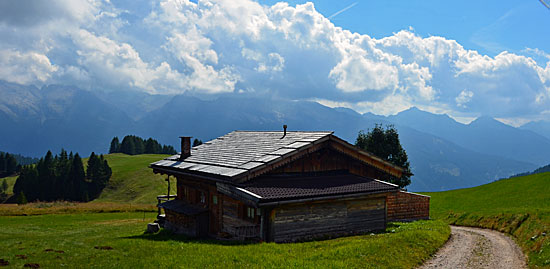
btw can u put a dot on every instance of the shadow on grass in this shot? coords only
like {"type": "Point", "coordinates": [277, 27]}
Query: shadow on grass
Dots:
{"type": "Point", "coordinates": [165, 235]}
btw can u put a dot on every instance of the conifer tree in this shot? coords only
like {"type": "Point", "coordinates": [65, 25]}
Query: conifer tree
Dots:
{"type": "Point", "coordinates": [115, 145]}
{"type": "Point", "coordinates": [2, 162]}
{"type": "Point", "coordinates": [77, 178]}
{"type": "Point", "coordinates": [27, 182]}
{"type": "Point", "coordinates": [197, 142]}
{"type": "Point", "coordinates": [11, 163]}
{"type": "Point", "coordinates": [128, 145]}
{"type": "Point", "coordinates": [21, 198]}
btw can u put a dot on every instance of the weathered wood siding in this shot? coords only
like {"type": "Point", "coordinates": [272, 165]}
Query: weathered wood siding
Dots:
{"type": "Point", "coordinates": [296, 222]}
{"type": "Point", "coordinates": [233, 222]}
{"type": "Point", "coordinates": [194, 226]}
{"type": "Point", "coordinates": [408, 206]}
{"type": "Point", "coordinates": [328, 159]}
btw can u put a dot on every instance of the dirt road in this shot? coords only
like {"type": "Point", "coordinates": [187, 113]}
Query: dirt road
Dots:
{"type": "Point", "coordinates": [477, 248]}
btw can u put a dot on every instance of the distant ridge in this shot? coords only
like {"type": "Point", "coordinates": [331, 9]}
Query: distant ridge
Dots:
{"type": "Point", "coordinates": [539, 170]}
{"type": "Point", "coordinates": [444, 154]}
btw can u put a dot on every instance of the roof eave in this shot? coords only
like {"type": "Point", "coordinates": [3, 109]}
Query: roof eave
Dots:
{"type": "Point", "coordinates": [277, 202]}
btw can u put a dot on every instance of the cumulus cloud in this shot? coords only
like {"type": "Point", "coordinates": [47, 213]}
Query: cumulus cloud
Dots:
{"type": "Point", "coordinates": [25, 68]}
{"type": "Point", "coordinates": [463, 98]}
{"type": "Point", "coordinates": [221, 46]}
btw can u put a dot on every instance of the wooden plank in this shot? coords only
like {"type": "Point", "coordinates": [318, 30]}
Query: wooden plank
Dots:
{"type": "Point", "coordinates": [339, 217]}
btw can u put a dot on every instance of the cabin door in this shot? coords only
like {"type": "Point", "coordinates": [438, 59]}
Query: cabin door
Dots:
{"type": "Point", "coordinates": [215, 208]}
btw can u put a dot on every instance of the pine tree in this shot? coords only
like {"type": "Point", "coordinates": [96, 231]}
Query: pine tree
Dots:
{"type": "Point", "coordinates": [93, 174]}
{"type": "Point", "coordinates": [46, 177]}
{"type": "Point", "coordinates": [2, 162]}
{"type": "Point", "coordinates": [27, 182]}
{"type": "Point", "coordinates": [63, 166]}
{"type": "Point", "coordinates": [152, 146]}
{"type": "Point", "coordinates": [140, 145]}
{"type": "Point", "coordinates": [385, 144]}
{"type": "Point", "coordinates": [11, 164]}
{"type": "Point", "coordinates": [128, 145]}
{"type": "Point", "coordinates": [21, 198]}
{"type": "Point", "coordinates": [77, 178]}
{"type": "Point", "coordinates": [197, 142]}
{"type": "Point", "coordinates": [115, 145]}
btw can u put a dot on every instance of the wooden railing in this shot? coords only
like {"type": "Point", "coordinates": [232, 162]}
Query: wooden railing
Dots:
{"type": "Point", "coordinates": [163, 198]}
{"type": "Point", "coordinates": [246, 231]}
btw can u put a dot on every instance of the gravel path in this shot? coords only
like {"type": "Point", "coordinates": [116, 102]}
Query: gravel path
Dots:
{"type": "Point", "coordinates": [477, 248]}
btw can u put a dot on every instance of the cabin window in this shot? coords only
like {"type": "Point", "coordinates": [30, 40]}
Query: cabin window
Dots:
{"type": "Point", "coordinates": [250, 212]}
{"type": "Point", "coordinates": [215, 199]}
{"type": "Point", "coordinates": [186, 193]}
{"type": "Point", "coordinates": [203, 198]}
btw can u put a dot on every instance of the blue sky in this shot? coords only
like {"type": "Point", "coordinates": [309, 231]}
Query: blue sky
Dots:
{"type": "Point", "coordinates": [464, 58]}
{"type": "Point", "coordinates": [486, 26]}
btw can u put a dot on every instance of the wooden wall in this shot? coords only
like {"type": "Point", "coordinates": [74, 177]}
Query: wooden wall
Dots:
{"type": "Point", "coordinates": [408, 206]}
{"type": "Point", "coordinates": [234, 222]}
{"type": "Point", "coordinates": [194, 226]}
{"type": "Point", "coordinates": [328, 159]}
{"type": "Point", "coordinates": [331, 218]}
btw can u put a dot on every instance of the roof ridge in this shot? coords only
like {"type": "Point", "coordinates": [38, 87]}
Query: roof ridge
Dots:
{"type": "Point", "coordinates": [251, 131]}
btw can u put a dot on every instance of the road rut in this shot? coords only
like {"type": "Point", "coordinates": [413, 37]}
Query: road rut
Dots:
{"type": "Point", "coordinates": [477, 248]}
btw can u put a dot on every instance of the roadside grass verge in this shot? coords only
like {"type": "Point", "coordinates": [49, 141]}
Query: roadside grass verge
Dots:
{"type": "Point", "coordinates": [518, 206]}
{"type": "Point", "coordinates": [63, 207]}
{"type": "Point", "coordinates": [116, 240]}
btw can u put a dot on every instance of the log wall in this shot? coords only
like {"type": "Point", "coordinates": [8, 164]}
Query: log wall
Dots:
{"type": "Point", "coordinates": [233, 222]}
{"type": "Point", "coordinates": [194, 226]}
{"type": "Point", "coordinates": [332, 218]}
{"type": "Point", "coordinates": [328, 159]}
{"type": "Point", "coordinates": [407, 206]}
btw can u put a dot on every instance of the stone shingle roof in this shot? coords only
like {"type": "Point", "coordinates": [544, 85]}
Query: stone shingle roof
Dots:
{"type": "Point", "coordinates": [307, 185]}
{"type": "Point", "coordinates": [239, 152]}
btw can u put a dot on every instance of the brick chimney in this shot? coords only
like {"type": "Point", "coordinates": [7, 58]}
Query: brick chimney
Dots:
{"type": "Point", "coordinates": [185, 147]}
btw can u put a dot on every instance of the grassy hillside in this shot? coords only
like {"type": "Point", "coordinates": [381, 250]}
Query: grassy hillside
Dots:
{"type": "Point", "coordinates": [11, 182]}
{"type": "Point", "coordinates": [133, 181]}
{"type": "Point", "coordinates": [116, 240]}
{"type": "Point", "coordinates": [517, 206]}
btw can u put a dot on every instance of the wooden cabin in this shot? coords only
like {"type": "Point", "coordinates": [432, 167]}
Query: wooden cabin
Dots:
{"type": "Point", "coordinates": [276, 186]}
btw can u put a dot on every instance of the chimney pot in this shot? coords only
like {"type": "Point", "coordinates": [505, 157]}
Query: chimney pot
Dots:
{"type": "Point", "coordinates": [284, 129]}
{"type": "Point", "coordinates": [185, 147]}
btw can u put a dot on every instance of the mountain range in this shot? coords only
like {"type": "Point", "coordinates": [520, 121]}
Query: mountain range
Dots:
{"type": "Point", "coordinates": [444, 154]}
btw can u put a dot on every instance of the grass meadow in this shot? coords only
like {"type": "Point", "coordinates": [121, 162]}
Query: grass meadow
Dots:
{"type": "Point", "coordinates": [117, 240]}
{"type": "Point", "coordinates": [517, 206]}
{"type": "Point", "coordinates": [109, 233]}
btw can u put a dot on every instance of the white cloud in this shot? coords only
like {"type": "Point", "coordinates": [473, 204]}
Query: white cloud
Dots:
{"type": "Point", "coordinates": [221, 46]}
{"type": "Point", "coordinates": [25, 68]}
{"type": "Point", "coordinates": [463, 98]}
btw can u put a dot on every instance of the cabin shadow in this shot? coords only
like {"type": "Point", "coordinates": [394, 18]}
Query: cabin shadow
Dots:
{"type": "Point", "coordinates": [165, 235]}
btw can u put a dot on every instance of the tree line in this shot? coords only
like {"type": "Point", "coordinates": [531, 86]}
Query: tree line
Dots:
{"type": "Point", "coordinates": [62, 177]}
{"type": "Point", "coordinates": [8, 164]}
{"type": "Point", "coordinates": [11, 163]}
{"type": "Point", "coordinates": [133, 145]}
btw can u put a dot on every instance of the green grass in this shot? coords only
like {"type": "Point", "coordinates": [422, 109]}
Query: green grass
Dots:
{"type": "Point", "coordinates": [77, 235]}
{"type": "Point", "coordinates": [11, 182]}
{"type": "Point", "coordinates": [133, 181]}
{"type": "Point", "coordinates": [518, 206]}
